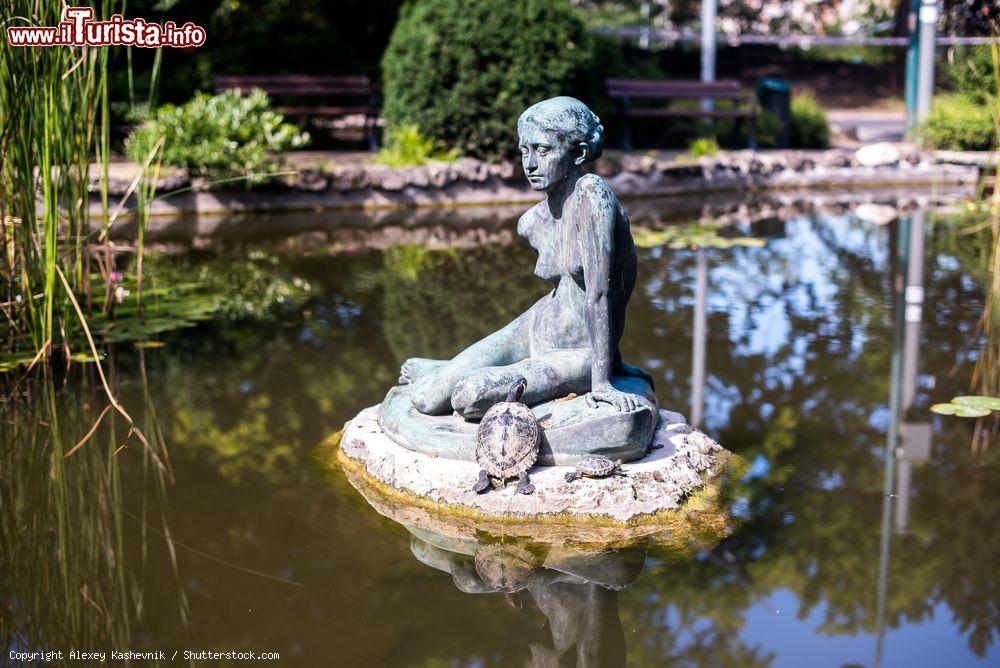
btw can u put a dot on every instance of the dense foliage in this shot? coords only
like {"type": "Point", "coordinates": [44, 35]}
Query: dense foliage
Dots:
{"type": "Point", "coordinates": [959, 123]}
{"type": "Point", "coordinates": [406, 146]}
{"type": "Point", "coordinates": [463, 71]}
{"type": "Point", "coordinates": [809, 126]}
{"type": "Point", "coordinates": [217, 135]}
{"type": "Point", "coordinates": [264, 37]}
{"type": "Point", "coordinates": [973, 73]}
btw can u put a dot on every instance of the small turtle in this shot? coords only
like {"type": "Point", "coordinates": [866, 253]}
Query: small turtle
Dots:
{"type": "Point", "coordinates": [595, 466]}
{"type": "Point", "coordinates": [507, 441]}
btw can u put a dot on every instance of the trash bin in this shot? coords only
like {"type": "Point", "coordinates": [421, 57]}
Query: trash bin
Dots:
{"type": "Point", "coordinates": [775, 96]}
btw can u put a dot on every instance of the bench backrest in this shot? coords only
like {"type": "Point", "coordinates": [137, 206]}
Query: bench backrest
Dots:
{"type": "Point", "coordinates": [297, 84]}
{"type": "Point", "coordinates": [678, 89]}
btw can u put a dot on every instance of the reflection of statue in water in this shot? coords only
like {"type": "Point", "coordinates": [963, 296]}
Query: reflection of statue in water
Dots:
{"type": "Point", "coordinates": [577, 592]}
{"type": "Point", "coordinates": [568, 341]}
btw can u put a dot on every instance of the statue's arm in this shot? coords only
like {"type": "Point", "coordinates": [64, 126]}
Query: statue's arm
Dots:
{"type": "Point", "coordinates": [597, 242]}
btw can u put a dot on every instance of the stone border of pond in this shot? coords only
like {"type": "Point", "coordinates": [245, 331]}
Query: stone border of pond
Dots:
{"type": "Point", "coordinates": [358, 185]}
{"type": "Point", "coordinates": [656, 491]}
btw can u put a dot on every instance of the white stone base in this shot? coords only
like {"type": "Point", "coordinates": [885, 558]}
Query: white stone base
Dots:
{"type": "Point", "coordinates": [682, 461]}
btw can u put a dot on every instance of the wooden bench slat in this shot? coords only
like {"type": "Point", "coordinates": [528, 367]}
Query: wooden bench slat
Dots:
{"type": "Point", "coordinates": [228, 79]}
{"type": "Point", "coordinates": [327, 111]}
{"type": "Point", "coordinates": [651, 89]}
{"type": "Point", "coordinates": [679, 113]}
{"type": "Point", "coordinates": [305, 85]}
{"type": "Point", "coordinates": [676, 95]}
{"type": "Point", "coordinates": [276, 89]}
{"type": "Point", "coordinates": [651, 84]}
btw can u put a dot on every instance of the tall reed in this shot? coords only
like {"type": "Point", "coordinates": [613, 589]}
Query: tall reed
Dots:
{"type": "Point", "coordinates": [54, 122]}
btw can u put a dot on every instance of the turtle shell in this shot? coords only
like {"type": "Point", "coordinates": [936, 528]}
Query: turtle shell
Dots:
{"type": "Point", "coordinates": [508, 439]}
{"type": "Point", "coordinates": [596, 466]}
{"type": "Point", "coordinates": [505, 568]}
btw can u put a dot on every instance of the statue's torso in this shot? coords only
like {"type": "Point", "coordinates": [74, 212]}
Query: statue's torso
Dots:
{"type": "Point", "coordinates": [558, 319]}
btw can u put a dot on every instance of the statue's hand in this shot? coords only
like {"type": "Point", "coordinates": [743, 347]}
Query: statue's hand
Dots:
{"type": "Point", "coordinates": [606, 393]}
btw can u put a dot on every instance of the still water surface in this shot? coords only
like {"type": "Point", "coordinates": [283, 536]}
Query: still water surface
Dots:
{"type": "Point", "coordinates": [788, 352]}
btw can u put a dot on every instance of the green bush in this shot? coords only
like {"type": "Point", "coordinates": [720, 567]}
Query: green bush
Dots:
{"type": "Point", "coordinates": [405, 146]}
{"type": "Point", "coordinates": [703, 146]}
{"type": "Point", "coordinates": [959, 123]}
{"type": "Point", "coordinates": [809, 127]}
{"type": "Point", "coordinates": [217, 135]}
{"type": "Point", "coordinates": [463, 71]}
{"type": "Point", "coordinates": [973, 72]}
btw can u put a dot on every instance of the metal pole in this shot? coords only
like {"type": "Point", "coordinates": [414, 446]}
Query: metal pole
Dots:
{"type": "Point", "coordinates": [708, 12]}
{"type": "Point", "coordinates": [891, 442]}
{"type": "Point", "coordinates": [644, 31]}
{"type": "Point", "coordinates": [925, 68]}
{"type": "Point", "coordinates": [700, 329]}
{"type": "Point", "coordinates": [913, 297]}
{"type": "Point", "coordinates": [910, 84]}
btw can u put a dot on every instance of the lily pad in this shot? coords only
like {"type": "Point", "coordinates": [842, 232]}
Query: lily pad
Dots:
{"type": "Point", "coordinates": [85, 358]}
{"type": "Point", "coordinates": [989, 403]}
{"type": "Point", "coordinates": [959, 410]}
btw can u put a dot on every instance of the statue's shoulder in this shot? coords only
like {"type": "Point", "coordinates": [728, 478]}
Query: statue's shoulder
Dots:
{"type": "Point", "coordinates": [595, 188]}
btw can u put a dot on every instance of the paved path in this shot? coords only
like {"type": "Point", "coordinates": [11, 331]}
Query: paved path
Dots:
{"type": "Point", "coordinates": [853, 128]}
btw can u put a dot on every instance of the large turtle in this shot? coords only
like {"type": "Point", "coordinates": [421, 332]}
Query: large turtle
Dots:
{"type": "Point", "coordinates": [595, 466]}
{"type": "Point", "coordinates": [507, 442]}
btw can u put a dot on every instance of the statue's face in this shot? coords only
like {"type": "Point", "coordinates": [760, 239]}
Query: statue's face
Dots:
{"type": "Point", "coordinates": [547, 158]}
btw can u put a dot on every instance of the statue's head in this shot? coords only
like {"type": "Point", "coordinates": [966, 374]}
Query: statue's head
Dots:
{"type": "Point", "coordinates": [556, 137]}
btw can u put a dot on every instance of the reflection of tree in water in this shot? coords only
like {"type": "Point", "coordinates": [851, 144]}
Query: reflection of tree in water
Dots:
{"type": "Point", "coordinates": [803, 327]}
{"type": "Point", "coordinates": [438, 302]}
{"type": "Point", "coordinates": [799, 365]}
{"type": "Point", "coordinates": [270, 383]}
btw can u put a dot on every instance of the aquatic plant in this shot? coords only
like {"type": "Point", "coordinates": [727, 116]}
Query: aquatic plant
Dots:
{"type": "Point", "coordinates": [692, 236]}
{"type": "Point", "coordinates": [53, 123]}
{"type": "Point", "coordinates": [968, 406]}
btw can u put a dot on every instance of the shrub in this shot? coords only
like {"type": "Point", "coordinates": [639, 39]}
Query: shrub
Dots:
{"type": "Point", "coordinates": [217, 135]}
{"type": "Point", "coordinates": [463, 71]}
{"type": "Point", "coordinates": [959, 123]}
{"type": "Point", "coordinates": [809, 127]}
{"type": "Point", "coordinates": [405, 146]}
{"type": "Point", "coordinates": [973, 72]}
{"type": "Point", "coordinates": [703, 146]}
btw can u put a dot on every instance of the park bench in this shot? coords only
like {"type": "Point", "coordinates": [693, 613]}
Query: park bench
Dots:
{"type": "Point", "coordinates": [345, 96]}
{"type": "Point", "coordinates": [624, 91]}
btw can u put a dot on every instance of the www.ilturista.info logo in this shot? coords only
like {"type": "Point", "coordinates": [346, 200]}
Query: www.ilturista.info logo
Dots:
{"type": "Point", "coordinates": [79, 29]}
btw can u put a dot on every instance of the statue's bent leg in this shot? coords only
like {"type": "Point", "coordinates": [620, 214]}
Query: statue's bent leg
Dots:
{"type": "Point", "coordinates": [431, 394]}
{"type": "Point", "coordinates": [549, 376]}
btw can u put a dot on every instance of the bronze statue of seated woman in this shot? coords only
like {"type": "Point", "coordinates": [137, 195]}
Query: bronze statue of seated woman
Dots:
{"type": "Point", "coordinates": [567, 342]}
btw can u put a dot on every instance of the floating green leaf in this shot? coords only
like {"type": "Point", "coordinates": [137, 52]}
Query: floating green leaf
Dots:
{"type": "Point", "coordinates": [989, 403]}
{"type": "Point", "coordinates": [84, 358]}
{"type": "Point", "coordinates": [959, 410]}
{"type": "Point", "coordinates": [692, 236]}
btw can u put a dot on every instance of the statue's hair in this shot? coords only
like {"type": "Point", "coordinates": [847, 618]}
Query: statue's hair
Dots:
{"type": "Point", "coordinates": [571, 119]}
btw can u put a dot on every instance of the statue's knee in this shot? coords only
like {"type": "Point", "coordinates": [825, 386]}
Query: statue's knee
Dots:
{"type": "Point", "coordinates": [467, 398]}
{"type": "Point", "coordinates": [427, 400]}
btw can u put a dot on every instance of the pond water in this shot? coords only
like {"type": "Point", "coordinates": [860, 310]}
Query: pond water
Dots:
{"type": "Point", "coordinates": [793, 348]}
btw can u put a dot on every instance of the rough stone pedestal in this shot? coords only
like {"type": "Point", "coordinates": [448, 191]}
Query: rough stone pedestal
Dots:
{"type": "Point", "coordinates": [682, 461]}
